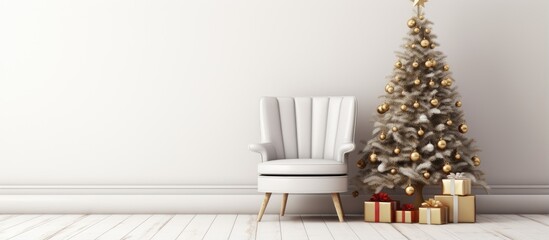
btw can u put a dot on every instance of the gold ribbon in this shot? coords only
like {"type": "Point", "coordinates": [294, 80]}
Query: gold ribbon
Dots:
{"type": "Point", "coordinates": [432, 203]}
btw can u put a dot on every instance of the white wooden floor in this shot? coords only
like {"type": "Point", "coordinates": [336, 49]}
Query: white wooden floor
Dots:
{"type": "Point", "coordinates": [240, 227]}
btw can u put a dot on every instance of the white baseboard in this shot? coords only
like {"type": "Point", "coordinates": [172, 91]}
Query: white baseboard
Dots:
{"type": "Point", "coordinates": [226, 199]}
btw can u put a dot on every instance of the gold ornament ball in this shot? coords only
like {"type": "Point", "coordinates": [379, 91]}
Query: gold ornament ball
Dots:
{"type": "Point", "coordinates": [382, 136]}
{"type": "Point", "coordinates": [397, 151]}
{"type": "Point", "coordinates": [394, 129]}
{"type": "Point", "coordinates": [410, 190]}
{"type": "Point", "coordinates": [433, 46]}
{"type": "Point", "coordinates": [361, 164]}
{"type": "Point", "coordinates": [389, 89]}
{"type": "Point", "coordinates": [449, 82]}
{"type": "Point", "coordinates": [427, 30]}
{"type": "Point", "coordinates": [428, 63]}
{"type": "Point", "coordinates": [417, 82]}
{"type": "Point", "coordinates": [373, 157]}
{"type": "Point", "coordinates": [413, 46]}
{"type": "Point", "coordinates": [458, 104]}
{"type": "Point", "coordinates": [431, 83]}
{"type": "Point", "coordinates": [441, 144]}
{"type": "Point", "coordinates": [426, 175]}
{"type": "Point", "coordinates": [434, 62]}
{"type": "Point", "coordinates": [421, 17]}
{"type": "Point", "coordinates": [443, 82]}
{"type": "Point", "coordinates": [463, 128]}
{"type": "Point", "coordinates": [416, 30]}
{"type": "Point", "coordinates": [425, 43]}
{"type": "Point", "coordinates": [415, 156]}
{"type": "Point", "coordinates": [398, 64]}
{"type": "Point", "coordinates": [411, 23]}
{"type": "Point", "coordinates": [457, 156]}
{"type": "Point", "coordinates": [447, 168]}
{"type": "Point", "coordinates": [416, 104]}
{"type": "Point", "coordinates": [434, 102]}
{"type": "Point", "coordinates": [394, 171]}
{"type": "Point", "coordinates": [355, 194]}
{"type": "Point", "coordinates": [476, 161]}
{"type": "Point", "coordinates": [415, 64]}
{"type": "Point", "coordinates": [397, 78]}
{"type": "Point", "coordinates": [385, 106]}
{"type": "Point", "coordinates": [403, 107]}
{"type": "Point", "coordinates": [449, 122]}
{"type": "Point", "coordinates": [420, 132]}
{"type": "Point", "coordinates": [380, 110]}
{"type": "Point", "coordinates": [446, 67]}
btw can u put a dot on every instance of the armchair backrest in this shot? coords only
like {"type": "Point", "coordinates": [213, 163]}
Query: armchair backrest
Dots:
{"type": "Point", "coordinates": [307, 127]}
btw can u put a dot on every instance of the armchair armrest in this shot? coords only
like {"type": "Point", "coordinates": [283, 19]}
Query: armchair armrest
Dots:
{"type": "Point", "coordinates": [266, 150]}
{"type": "Point", "coordinates": [342, 149]}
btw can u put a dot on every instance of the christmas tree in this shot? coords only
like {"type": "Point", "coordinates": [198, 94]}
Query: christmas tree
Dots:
{"type": "Point", "coordinates": [419, 131]}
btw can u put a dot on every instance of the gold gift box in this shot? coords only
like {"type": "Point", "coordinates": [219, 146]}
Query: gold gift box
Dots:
{"type": "Point", "coordinates": [438, 215]}
{"type": "Point", "coordinates": [462, 187]}
{"type": "Point", "coordinates": [407, 216]}
{"type": "Point", "coordinates": [385, 213]}
{"type": "Point", "coordinates": [466, 207]}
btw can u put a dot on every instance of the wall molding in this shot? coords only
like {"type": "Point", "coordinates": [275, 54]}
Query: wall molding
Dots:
{"type": "Point", "coordinates": [528, 189]}
{"type": "Point", "coordinates": [227, 199]}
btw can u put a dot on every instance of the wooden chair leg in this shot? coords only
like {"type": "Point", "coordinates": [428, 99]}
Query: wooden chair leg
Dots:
{"type": "Point", "coordinates": [283, 206]}
{"type": "Point", "coordinates": [339, 209]}
{"type": "Point", "coordinates": [263, 206]}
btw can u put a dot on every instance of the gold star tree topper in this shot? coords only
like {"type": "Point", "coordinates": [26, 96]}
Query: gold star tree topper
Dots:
{"type": "Point", "coordinates": [420, 3]}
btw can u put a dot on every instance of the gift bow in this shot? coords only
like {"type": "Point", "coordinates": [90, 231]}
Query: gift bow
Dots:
{"type": "Point", "coordinates": [432, 203]}
{"type": "Point", "coordinates": [408, 207]}
{"type": "Point", "coordinates": [458, 175]}
{"type": "Point", "coordinates": [380, 197]}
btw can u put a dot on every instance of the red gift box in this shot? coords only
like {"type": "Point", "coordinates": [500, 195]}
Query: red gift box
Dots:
{"type": "Point", "coordinates": [407, 214]}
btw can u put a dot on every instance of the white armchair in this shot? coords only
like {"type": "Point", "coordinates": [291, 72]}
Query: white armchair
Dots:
{"type": "Point", "coordinates": [303, 145]}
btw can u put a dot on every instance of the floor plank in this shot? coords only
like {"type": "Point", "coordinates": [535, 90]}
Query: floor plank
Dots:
{"type": "Point", "coordinates": [174, 227]}
{"type": "Point", "coordinates": [411, 231]}
{"type": "Point", "coordinates": [438, 232]}
{"type": "Point", "coordinates": [472, 231]}
{"type": "Point", "coordinates": [197, 228]}
{"type": "Point", "coordinates": [516, 227]}
{"type": "Point", "coordinates": [100, 228]}
{"type": "Point", "coordinates": [149, 228]}
{"type": "Point", "coordinates": [26, 226]}
{"type": "Point", "coordinates": [8, 223]}
{"type": "Point", "coordinates": [364, 230]}
{"type": "Point", "coordinates": [316, 228]}
{"type": "Point", "coordinates": [78, 227]}
{"type": "Point", "coordinates": [50, 228]}
{"type": "Point", "coordinates": [269, 228]}
{"type": "Point", "coordinates": [291, 227]}
{"type": "Point", "coordinates": [221, 227]}
{"type": "Point", "coordinates": [339, 230]}
{"type": "Point", "coordinates": [125, 227]}
{"type": "Point", "coordinates": [5, 216]}
{"type": "Point", "coordinates": [244, 227]}
{"type": "Point", "coordinates": [540, 218]}
{"type": "Point", "coordinates": [388, 231]}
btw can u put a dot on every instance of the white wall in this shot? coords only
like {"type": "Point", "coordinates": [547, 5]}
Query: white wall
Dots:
{"type": "Point", "coordinates": [132, 93]}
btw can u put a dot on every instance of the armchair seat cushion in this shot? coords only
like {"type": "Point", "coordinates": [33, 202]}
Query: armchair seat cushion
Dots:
{"type": "Point", "coordinates": [302, 167]}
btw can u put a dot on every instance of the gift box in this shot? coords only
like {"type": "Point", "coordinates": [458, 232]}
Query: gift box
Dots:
{"type": "Point", "coordinates": [456, 184]}
{"type": "Point", "coordinates": [433, 212]}
{"type": "Point", "coordinates": [460, 208]}
{"type": "Point", "coordinates": [407, 214]}
{"type": "Point", "coordinates": [380, 208]}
